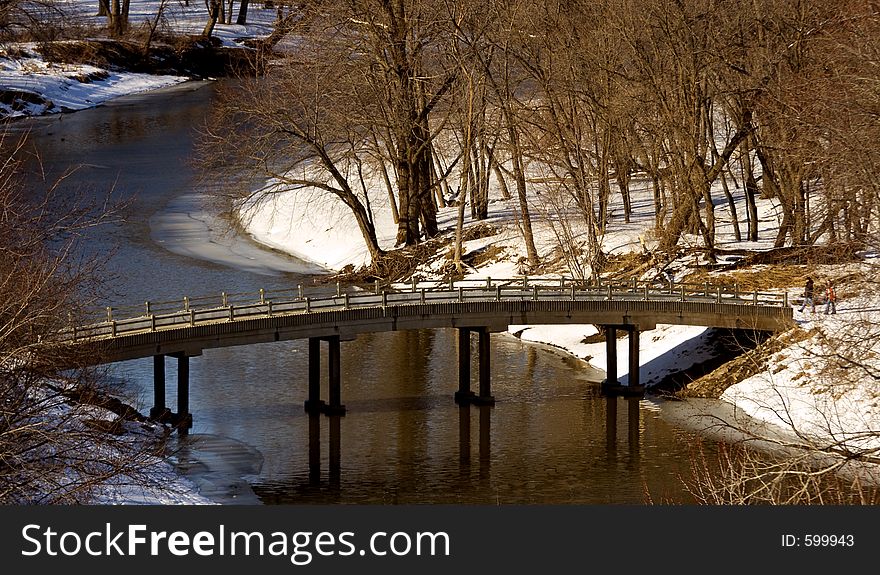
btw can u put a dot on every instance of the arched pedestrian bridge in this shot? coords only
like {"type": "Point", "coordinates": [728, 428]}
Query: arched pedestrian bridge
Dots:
{"type": "Point", "coordinates": [184, 328]}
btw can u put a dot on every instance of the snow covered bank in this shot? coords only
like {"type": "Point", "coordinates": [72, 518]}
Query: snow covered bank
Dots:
{"type": "Point", "coordinates": [824, 388]}
{"type": "Point", "coordinates": [81, 445]}
{"type": "Point", "coordinates": [789, 395]}
{"type": "Point", "coordinates": [32, 87]}
{"type": "Point", "coordinates": [310, 225]}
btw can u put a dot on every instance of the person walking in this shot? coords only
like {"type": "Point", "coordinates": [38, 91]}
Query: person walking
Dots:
{"type": "Point", "coordinates": [808, 295]}
{"type": "Point", "coordinates": [830, 299]}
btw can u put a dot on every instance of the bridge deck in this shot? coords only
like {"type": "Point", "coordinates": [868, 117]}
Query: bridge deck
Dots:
{"type": "Point", "coordinates": [189, 326]}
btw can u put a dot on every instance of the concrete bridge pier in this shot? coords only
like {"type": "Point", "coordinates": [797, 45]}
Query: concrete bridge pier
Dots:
{"type": "Point", "coordinates": [611, 385]}
{"type": "Point", "coordinates": [464, 395]}
{"type": "Point", "coordinates": [314, 404]}
{"type": "Point", "coordinates": [485, 396]}
{"type": "Point", "coordinates": [159, 411]}
{"type": "Point", "coordinates": [182, 419]}
{"type": "Point", "coordinates": [334, 370]}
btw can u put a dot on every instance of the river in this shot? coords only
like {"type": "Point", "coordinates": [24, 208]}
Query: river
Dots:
{"type": "Point", "coordinates": [550, 439]}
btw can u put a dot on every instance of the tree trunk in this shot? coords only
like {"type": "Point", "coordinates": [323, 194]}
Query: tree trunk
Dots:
{"type": "Point", "coordinates": [442, 178]}
{"type": "Point", "coordinates": [427, 203]}
{"type": "Point", "coordinates": [437, 184]}
{"type": "Point", "coordinates": [623, 179]}
{"type": "Point", "coordinates": [388, 186]}
{"type": "Point", "coordinates": [730, 200]}
{"type": "Point", "coordinates": [409, 110]}
{"type": "Point", "coordinates": [519, 178]}
{"type": "Point", "coordinates": [734, 217]}
{"type": "Point", "coordinates": [242, 12]}
{"type": "Point", "coordinates": [708, 227]}
{"type": "Point", "coordinates": [658, 202]}
{"type": "Point", "coordinates": [751, 190]}
{"type": "Point", "coordinates": [502, 184]}
{"type": "Point", "coordinates": [464, 188]}
{"type": "Point", "coordinates": [213, 16]}
{"type": "Point", "coordinates": [604, 185]}
{"type": "Point", "coordinates": [347, 195]}
{"type": "Point", "coordinates": [623, 164]}
{"type": "Point", "coordinates": [801, 224]}
{"type": "Point", "coordinates": [482, 191]}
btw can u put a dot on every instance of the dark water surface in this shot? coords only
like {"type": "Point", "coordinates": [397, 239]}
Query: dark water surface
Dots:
{"type": "Point", "coordinates": [549, 439]}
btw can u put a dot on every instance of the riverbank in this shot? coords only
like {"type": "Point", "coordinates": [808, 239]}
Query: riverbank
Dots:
{"type": "Point", "coordinates": [70, 74]}
{"type": "Point", "coordinates": [798, 387]}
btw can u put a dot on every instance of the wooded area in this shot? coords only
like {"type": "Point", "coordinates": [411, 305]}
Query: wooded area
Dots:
{"type": "Point", "coordinates": [558, 105]}
{"type": "Point", "coordinates": [572, 99]}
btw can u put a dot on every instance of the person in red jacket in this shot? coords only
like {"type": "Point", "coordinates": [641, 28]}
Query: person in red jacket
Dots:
{"type": "Point", "coordinates": [830, 299]}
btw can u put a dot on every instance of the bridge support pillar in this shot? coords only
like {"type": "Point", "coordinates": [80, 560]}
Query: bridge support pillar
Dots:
{"type": "Point", "coordinates": [611, 385]}
{"type": "Point", "coordinates": [334, 370]}
{"type": "Point", "coordinates": [314, 404]}
{"type": "Point", "coordinates": [159, 412]}
{"type": "Point", "coordinates": [464, 395]}
{"type": "Point", "coordinates": [182, 420]}
{"type": "Point", "coordinates": [611, 381]}
{"type": "Point", "coordinates": [635, 386]}
{"type": "Point", "coordinates": [485, 396]}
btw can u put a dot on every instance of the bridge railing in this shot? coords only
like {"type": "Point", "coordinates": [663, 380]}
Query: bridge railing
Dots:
{"type": "Point", "coordinates": [192, 311]}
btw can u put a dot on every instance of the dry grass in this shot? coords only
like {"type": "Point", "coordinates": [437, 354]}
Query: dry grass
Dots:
{"type": "Point", "coordinates": [713, 384]}
{"type": "Point", "coordinates": [761, 278]}
{"type": "Point", "coordinates": [781, 276]}
{"type": "Point", "coordinates": [626, 265]}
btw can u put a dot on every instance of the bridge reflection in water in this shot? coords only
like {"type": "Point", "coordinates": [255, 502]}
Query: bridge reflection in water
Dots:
{"type": "Point", "coordinates": [617, 411]}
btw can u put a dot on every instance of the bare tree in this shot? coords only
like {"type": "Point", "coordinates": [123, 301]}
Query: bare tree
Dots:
{"type": "Point", "coordinates": [62, 439]}
{"type": "Point", "coordinates": [298, 127]}
{"type": "Point", "coordinates": [362, 81]}
{"type": "Point", "coordinates": [37, 20]}
{"type": "Point", "coordinates": [498, 37]}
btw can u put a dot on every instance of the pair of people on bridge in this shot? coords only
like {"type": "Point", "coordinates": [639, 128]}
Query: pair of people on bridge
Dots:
{"type": "Point", "coordinates": [809, 297]}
